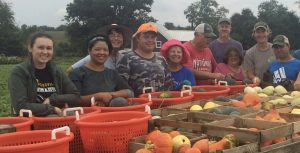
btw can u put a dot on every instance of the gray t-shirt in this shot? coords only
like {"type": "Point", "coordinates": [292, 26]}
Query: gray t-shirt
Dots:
{"type": "Point", "coordinates": [258, 60]}
{"type": "Point", "coordinates": [218, 49]}
{"type": "Point", "coordinates": [89, 82]}
{"type": "Point", "coordinates": [109, 63]}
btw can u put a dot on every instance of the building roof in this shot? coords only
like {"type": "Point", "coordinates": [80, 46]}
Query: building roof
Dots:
{"type": "Point", "coordinates": [181, 35]}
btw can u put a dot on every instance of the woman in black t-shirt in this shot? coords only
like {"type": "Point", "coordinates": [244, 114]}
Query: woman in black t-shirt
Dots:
{"type": "Point", "coordinates": [38, 85]}
{"type": "Point", "coordinates": [94, 80]}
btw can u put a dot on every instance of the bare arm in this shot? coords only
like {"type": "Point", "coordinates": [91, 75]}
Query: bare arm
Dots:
{"type": "Point", "coordinates": [106, 96]}
{"type": "Point", "coordinates": [297, 83]}
{"type": "Point", "coordinates": [250, 74]}
{"type": "Point", "coordinates": [207, 75]}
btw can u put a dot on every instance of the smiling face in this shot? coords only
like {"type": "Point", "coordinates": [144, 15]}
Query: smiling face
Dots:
{"type": "Point", "coordinates": [224, 29]}
{"type": "Point", "coordinates": [41, 51]}
{"type": "Point", "coordinates": [147, 41]}
{"type": "Point", "coordinates": [175, 54]}
{"type": "Point", "coordinates": [116, 39]}
{"type": "Point", "coordinates": [233, 58]}
{"type": "Point", "coordinates": [99, 52]}
{"type": "Point", "coordinates": [261, 35]}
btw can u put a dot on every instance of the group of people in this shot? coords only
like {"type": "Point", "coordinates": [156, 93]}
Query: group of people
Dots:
{"type": "Point", "coordinates": [108, 73]}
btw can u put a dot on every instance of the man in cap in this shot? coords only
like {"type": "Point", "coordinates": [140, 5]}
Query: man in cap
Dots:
{"type": "Point", "coordinates": [224, 41]}
{"type": "Point", "coordinates": [119, 36]}
{"type": "Point", "coordinates": [259, 56]}
{"type": "Point", "coordinates": [285, 67]}
{"type": "Point", "coordinates": [201, 61]}
{"type": "Point", "coordinates": [142, 67]}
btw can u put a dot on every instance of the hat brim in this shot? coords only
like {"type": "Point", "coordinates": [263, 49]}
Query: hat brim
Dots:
{"type": "Point", "coordinates": [133, 36]}
{"type": "Point", "coordinates": [261, 27]}
{"type": "Point", "coordinates": [278, 44]}
{"type": "Point", "coordinates": [126, 31]}
{"type": "Point", "coordinates": [210, 35]}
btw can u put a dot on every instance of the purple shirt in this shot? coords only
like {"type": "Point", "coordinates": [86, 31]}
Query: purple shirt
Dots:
{"type": "Point", "coordinates": [218, 49]}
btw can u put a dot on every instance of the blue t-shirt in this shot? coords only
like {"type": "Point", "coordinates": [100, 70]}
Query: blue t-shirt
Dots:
{"type": "Point", "coordinates": [285, 70]}
{"type": "Point", "coordinates": [182, 77]}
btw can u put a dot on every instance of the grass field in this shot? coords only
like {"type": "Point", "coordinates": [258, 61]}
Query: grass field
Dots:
{"type": "Point", "coordinates": [64, 63]}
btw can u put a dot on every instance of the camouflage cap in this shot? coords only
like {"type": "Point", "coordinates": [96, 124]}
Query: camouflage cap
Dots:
{"type": "Point", "coordinates": [261, 24]}
{"type": "Point", "coordinates": [280, 40]}
{"type": "Point", "coordinates": [205, 29]}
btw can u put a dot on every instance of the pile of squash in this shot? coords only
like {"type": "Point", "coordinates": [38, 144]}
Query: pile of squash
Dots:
{"type": "Point", "coordinates": [173, 142]}
{"type": "Point", "coordinates": [249, 100]}
{"type": "Point", "coordinates": [272, 116]}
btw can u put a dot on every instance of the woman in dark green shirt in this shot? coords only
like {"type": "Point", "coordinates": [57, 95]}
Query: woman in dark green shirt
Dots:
{"type": "Point", "coordinates": [38, 85]}
{"type": "Point", "coordinates": [94, 80]}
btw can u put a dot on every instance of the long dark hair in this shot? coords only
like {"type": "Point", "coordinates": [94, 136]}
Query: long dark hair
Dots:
{"type": "Point", "coordinates": [233, 49]}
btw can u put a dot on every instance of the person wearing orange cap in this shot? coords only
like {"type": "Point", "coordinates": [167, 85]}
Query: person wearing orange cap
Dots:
{"type": "Point", "coordinates": [142, 67]}
{"type": "Point", "coordinates": [202, 61]}
{"type": "Point", "coordinates": [119, 36]}
{"type": "Point", "coordinates": [177, 55]}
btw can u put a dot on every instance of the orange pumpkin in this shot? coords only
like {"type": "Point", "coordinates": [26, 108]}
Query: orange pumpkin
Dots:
{"type": "Point", "coordinates": [192, 150]}
{"type": "Point", "coordinates": [163, 143]}
{"type": "Point", "coordinates": [257, 106]}
{"type": "Point", "coordinates": [152, 135]}
{"type": "Point", "coordinates": [143, 151]}
{"type": "Point", "coordinates": [238, 104]}
{"type": "Point", "coordinates": [202, 145]}
{"type": "Point", "coordinates": [174, 133]}
{"type": "Point", "coordinates": [272, 115]}
{"type": "Point", "coordinates": [251, 99]}
{"type": "Point", "coordinates": [278, 140]}
{"type": "Point", "coordinates": [267, 143]}
{"type": "Point", "coordinates": [183, 148]}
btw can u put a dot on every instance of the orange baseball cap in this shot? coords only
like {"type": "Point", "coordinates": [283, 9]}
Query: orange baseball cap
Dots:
{"type": "Point", "coordinates": [146, 27]}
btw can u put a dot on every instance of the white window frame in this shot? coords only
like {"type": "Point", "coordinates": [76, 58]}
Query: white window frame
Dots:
{"type": "Point", "coordinates": [158, 44]}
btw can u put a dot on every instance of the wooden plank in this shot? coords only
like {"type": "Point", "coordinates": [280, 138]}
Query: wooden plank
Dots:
{"type": "Point", "coordinates": [284, 147]}
{"type": "Point", "coordinates": [242, 135]}
{"type": "Point", "coordinates": [179, 124]}
{"type": "Point", "coordinates": [247, 148]}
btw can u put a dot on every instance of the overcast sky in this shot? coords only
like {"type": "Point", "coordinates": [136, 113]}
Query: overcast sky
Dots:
{"type": "Point", "coordinates": [51, 12]}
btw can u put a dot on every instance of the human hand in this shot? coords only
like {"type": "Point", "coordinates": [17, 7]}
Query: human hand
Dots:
{"type": "Point", "coordinates": [46, 101]}
{"type": "Point", "coordinates": [218, 76]}
{"type": "Point", "coordinates": [106, 97]}
{"type": "Point", "coordinates": [57, 110]}
{"type": "Point", "coordinates": [256, 80]}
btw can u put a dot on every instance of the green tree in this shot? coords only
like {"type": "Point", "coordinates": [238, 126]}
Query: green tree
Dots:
{"type": "Point", "coordinates": [85, 17]}
{"type": "Point", "coordinates": [204, 11]}
{"type": "Point", "coordinates": [9, 40]}
{"type": "Point", "coordinates": [281, 20]}
{"type": "Point", "coordinates": [242, 26]}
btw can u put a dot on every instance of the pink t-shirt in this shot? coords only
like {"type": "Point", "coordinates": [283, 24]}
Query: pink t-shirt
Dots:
{"type": "Point", "coordinates": [224, 69]}
{"type": "Point", "coordinates": [201, 60]}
